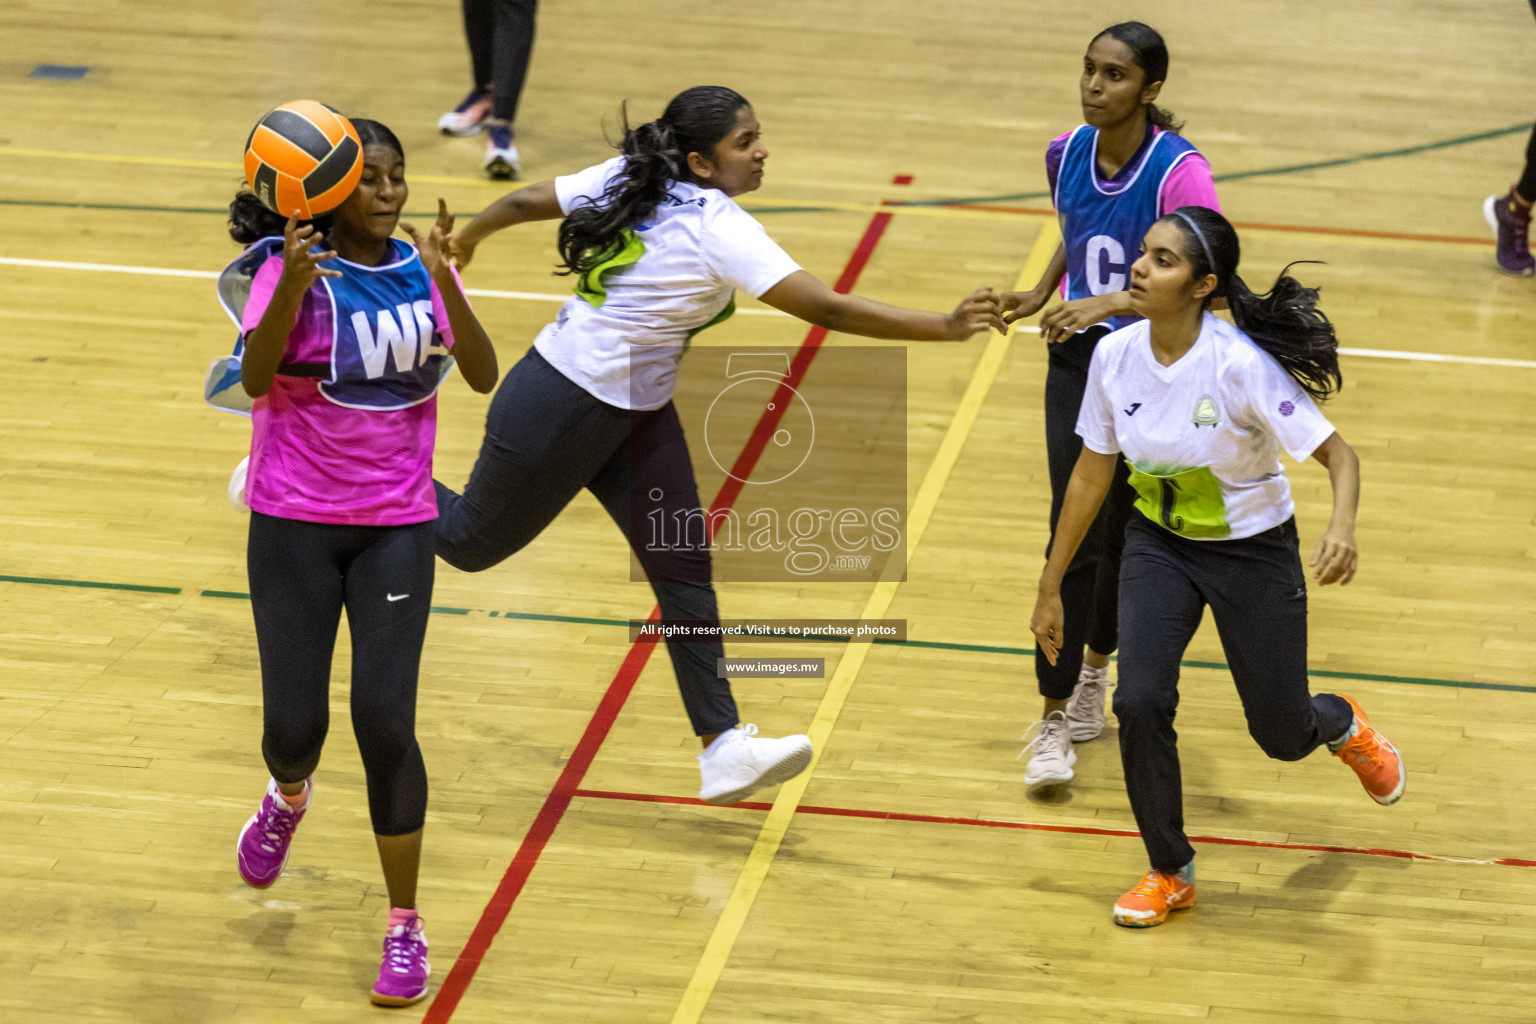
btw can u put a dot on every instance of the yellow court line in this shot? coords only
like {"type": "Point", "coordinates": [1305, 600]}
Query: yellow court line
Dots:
{"type": "Point", "coordinates": [728, 929]}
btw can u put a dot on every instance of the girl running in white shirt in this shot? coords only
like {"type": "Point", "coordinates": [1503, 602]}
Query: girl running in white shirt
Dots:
{"type": "Point", "coordinates": [1199, 410]}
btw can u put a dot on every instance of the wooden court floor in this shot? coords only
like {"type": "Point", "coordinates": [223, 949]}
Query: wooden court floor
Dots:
{"type": "Point", "coordinates": [908, 879]}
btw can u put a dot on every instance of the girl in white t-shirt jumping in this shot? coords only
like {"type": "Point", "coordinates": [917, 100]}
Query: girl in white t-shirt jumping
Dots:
{"type": "Point", "coordinates": [1199, 410]}
{"type": "Point", "coordinates": [658, 247]}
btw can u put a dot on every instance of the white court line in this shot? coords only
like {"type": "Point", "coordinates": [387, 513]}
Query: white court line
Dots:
{"type": "Point", "coordinates": [485, 293]}
{"type": "Point", "coordinates": [117, 268]}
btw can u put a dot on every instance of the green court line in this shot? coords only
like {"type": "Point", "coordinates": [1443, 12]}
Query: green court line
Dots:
{"type": "Point", "coordinates": [91, 584]}
{"type": "Point", "coordinates": [928, 644]}
{"type": "Point", "coordinates": [1262, 172]}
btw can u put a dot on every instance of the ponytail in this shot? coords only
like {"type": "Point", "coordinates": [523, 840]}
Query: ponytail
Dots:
{"type": "Point", "coordinates": [656, 155]}
{"type": "Point", "coordinates": [1284, 321]}
{"type": "Point", "coordinates": [592, 232]}
{"type": "Point", "coordinates": [1163, 119]}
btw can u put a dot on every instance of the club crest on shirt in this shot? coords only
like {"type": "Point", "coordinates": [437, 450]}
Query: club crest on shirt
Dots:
{"type": "Point", "coordinates": [1205, 414]}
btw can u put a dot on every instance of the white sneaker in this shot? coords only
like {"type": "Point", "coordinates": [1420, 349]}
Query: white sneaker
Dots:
{"type": "Point", "coordinates": [237, 487]}
{"type": "Point", "coordinates": [1085, 709]}
{"type": "Point", "coordinates": [1051, 756]}
{"type": "Point", "coordinates": [738, 763]}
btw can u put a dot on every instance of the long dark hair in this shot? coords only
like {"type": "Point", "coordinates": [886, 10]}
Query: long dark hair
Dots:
{"type": "Point", "coordinates": [249, 221]}
{"type": "Point", "coordinates": [1284, 321]}
{"type": "Point", "coordinates": [1151, 55]}
{"type": "Point", "coordinates": [657, 152]}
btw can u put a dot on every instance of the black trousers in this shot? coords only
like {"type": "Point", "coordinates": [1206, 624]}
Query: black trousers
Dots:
{"type": "Point", "coordinates": [1527, 184]}
{"type": "Point", "coordinates": [500, 34]}
{"type": "Point", "coordinates": [1090, 586]}
{"type": "Point", "coordinates": [545, 439]}
{"type": "Point", "coordinates": [1257, 591]}
{"type": "Point", "coordinates": [301, 576]}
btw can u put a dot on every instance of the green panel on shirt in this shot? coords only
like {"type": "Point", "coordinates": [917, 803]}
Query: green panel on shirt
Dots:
{"type": "Point", "coordinates": [591, 286]}
{"type": "Point", "coordinates": [1188, 502]}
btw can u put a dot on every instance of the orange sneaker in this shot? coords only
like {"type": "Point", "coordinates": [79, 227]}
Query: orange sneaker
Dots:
{"type": "Point", "coordinates": [1374, 759]}
{"type": "Point", "coordinates": [1150, 900]}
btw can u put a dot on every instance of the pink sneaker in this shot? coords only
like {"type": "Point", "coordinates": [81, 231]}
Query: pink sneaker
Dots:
{"type": "Point", "coordinates": [403, 974]}
{"type": "Point", "coordinates": [469, 117]}
{"type": "Point", "coordinates": [263, 847]}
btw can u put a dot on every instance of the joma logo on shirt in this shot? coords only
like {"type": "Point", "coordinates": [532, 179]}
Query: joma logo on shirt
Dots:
{"type": "Point", "coordinates": [411, 338]}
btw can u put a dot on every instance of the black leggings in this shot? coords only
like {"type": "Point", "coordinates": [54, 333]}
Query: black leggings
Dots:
{"type": "Point", "coordinates": [1527, 184]}
{"type": "Point", "coordinates": [1090, 586]}
{"type": "Point", "coordinates": [1257, 591]}
{"type": "Point", "coordinates": [301, 576]}
{"type": "Point", "coordinates": [545, 439]}
{"type": "Point", "coordinates": [500, 34]}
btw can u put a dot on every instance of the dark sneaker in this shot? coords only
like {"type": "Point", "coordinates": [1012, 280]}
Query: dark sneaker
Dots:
{"type": "Point", "coordinates": [1511, 223]}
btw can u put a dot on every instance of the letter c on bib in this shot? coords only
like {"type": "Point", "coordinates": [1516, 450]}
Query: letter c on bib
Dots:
{"type": "Point", "coordinates": [1105, 265]}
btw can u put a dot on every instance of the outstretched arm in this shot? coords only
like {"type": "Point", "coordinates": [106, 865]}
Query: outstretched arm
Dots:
{"type": "Point", "coordinates": [802, 295]}
{"type": "Point", "coordinates": [529, 203]}
{"type": "Point", "coordinates": [1090, 482]}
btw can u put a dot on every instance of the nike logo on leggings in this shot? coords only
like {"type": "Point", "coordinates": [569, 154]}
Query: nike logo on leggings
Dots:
{"type": "Point", "coordinates": [396, 597]}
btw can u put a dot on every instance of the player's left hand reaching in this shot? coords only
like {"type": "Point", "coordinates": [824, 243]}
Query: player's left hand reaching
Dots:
{"type": "Point", "coordinates": [434, 248]}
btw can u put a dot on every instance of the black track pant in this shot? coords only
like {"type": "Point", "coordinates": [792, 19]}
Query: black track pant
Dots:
{"type": "Point", "coordinates": [301, 576]}
{"type": "Point", "coordinates": [1088, 590]}
{"type": "Point", "coordinates": [500, 34]}
{"type": "Point", "coordinates": [545, 439]}
{"type": "Point", "coordinates": [1257, 592]}
{"type": "Point", "coordinates": [1527, 185]}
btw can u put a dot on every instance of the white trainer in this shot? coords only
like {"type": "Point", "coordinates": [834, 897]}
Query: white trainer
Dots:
{"type": "Point", "coordinates": [1085, 709]}
{"type": "Point", "coordinates": [1051, 756]}
{"type": "Point", "coordinates": [237, 487]}
{"type": "Point", "coordinates": [738, 764]}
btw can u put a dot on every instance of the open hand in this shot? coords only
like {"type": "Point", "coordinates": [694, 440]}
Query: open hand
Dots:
{"type": "Point", "coordinates": [301, 265]}
{"type": "Point", "coordinates": [1020, 305]}
{"type": "Point", "coordinates": [435, 248]}
{"type": "Point", "coordinates": [977, 312]}
{"type": "Point", "coordinates": [1061, 322]}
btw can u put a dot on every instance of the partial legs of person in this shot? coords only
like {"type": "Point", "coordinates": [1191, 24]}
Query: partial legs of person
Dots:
{"type": "Point", "coordinates": [389, 598]}
{"type": "Point", "coordinates": [296, 599]}
{"type": "Point", "coordinates": [513, 50]}
{"type": "Point", "coordinates": [302, 574]}
{"type": "Point", "coordinates": [546, 438]}
{"type": "Point", "coordinates": [1509, 216]}
{"type": "Point", "coordinates": [1258, 597]}
{"type": "Point", "coordinates": [1074, 687]}
{"type": "Point", "coordinates": [470, 116]}
{"type": "Point", "coordinates": [650, 480]}
{"type": "Point", "coordinates": [1160, 609]}
{"type": "Point", "coordinates": [1256, 588]}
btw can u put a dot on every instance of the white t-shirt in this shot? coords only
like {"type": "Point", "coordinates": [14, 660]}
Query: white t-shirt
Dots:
{"type": "Point", "coordinates": [699, 248]}
{"type": "Point", "coordinates": [1202, 436]}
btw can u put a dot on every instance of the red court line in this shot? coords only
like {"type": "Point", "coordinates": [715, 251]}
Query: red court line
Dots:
{"type": "Point", "coordinates": [559, 799]}
{"type": "Point", "coordinates": [1030, 826]}
{"type": "Point", "coordinates": [1298, 229]}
